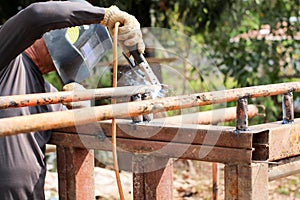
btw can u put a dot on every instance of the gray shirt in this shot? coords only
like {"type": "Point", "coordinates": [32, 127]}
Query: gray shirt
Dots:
{"type": "Point", "coordinates": [22, 156]}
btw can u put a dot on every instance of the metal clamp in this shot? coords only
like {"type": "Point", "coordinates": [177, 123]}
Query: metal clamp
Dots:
{"type": "Point", "coordinates": [242, 114]}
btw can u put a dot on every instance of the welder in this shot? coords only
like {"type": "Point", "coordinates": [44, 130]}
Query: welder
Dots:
{"type": "Point", "coordinates": [29, 48]}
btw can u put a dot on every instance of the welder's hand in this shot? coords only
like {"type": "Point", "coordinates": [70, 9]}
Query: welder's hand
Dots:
{"type": "Point", "coordinates": [75, 87]}
{"type": "Point", "coordinates": [130, 34]}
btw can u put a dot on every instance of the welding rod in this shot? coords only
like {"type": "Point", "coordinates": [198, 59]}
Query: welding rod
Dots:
{"type": "Point", "coordinates": [73, 96]}
{"type": "Point", "coordinates": [63, 119]}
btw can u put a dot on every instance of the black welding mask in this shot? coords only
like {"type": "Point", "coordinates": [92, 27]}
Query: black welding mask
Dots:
{"type": "Point", "coordinates": [76, 50]}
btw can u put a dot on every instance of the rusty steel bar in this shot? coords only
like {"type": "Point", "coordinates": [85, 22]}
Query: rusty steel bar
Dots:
{"type": "Point", "coordinates": [287, 108]}
{"type": "Point", "coordinates": [242, 114]}
{"type": "Point", "coordinates": [73, 96]}
{"type": "Point", "coordinates": [215, 175]}
{"type": "Point", "coordinates": [46, 121]}
{"type": "Point", "coordinates": [208, 117]}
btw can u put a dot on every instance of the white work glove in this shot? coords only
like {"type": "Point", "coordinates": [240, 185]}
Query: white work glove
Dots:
{"type": "Point", "coordinates": [129, 33]}
{"type": "Point", "coordinates": [79, 104]}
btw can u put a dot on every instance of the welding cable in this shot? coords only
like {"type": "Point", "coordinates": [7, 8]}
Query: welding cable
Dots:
{"type": "Point", "coordinates": [113, 124]}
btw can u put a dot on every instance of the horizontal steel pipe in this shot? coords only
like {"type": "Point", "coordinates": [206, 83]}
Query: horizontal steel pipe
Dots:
{"type": "Point", "coordinates": [46, 121]}
{"type": "Point", "coordinates": [72, 96]}
{"type": "Point", "coordinates": [208, 117]}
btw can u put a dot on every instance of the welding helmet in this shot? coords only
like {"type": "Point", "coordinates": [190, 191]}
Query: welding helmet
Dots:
{"type": "Point", "coordinates": [76, 50]}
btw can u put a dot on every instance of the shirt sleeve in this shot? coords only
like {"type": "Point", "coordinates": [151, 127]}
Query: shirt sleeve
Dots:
{"type": "Point", "coordinates": [20, 31]}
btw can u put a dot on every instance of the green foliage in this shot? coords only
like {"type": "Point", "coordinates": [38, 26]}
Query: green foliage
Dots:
{"type": "Point", "coordinates": [54, 79]}
{"type": "Point", "coordinates": [252, 60]}
{"type": "Point", "coordinates": [198, 15]}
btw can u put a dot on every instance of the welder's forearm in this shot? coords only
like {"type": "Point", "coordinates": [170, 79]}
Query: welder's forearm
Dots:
{"type": "Point", "coordinates": [20, 31]}
{"type": "Point", "coordinates": [54, 15]}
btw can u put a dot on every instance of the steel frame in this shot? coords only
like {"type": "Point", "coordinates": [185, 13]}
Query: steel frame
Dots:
{"type": "Point", "coordinates": [246, 155]}
{"type": "Point", "coordinates": [252, 155]}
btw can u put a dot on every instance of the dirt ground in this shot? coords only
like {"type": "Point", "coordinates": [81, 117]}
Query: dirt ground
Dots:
{"type": "Point", "coordinates": [192, 181]}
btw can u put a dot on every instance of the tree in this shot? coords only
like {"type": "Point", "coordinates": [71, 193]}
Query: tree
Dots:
{"type": "Point", "coordinates": [256, 54]}
{"type": "Point", "coordinates": [257, 43]}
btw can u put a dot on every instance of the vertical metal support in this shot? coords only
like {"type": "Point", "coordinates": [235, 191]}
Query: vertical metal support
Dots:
{"type": "Point", "coordinates": [215, 178]}
{"type": "Point", "coordinates": [242, 114]}
{"type": "Point", "coordinates": [215, 174]}
{"type": "Point", "coordinates": [287, 108]}
{"type": "Point", "coordinates": [246, 181]}
{"type": "Point", "coordinates": [152, 178]}
{"type": "Point", "coordinates": [136, 119]}
{"type": "Point", "coordinates": [75, 169]}
{"type": "Point", "coordinates": [148, 117]}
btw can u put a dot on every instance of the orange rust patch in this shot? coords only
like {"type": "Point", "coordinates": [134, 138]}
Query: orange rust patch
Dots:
{"type": "Point", "coordinates": [232, 190]}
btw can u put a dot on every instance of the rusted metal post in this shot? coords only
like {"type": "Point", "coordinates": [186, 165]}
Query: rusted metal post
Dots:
{"type": "Point", "coordinates": [152, 178]}
{"type": "Point", "coordinates": [148, 117]}
{"type": "Point", "coordinates": [136, 98]}
{"type": "Point", "coordinates": [287, 108]}
{"type": "Point", "coordinates": [215, 174]}
{"type": "Point", "coordinates": [246, 181]}
{"type": "Point", "coordinates": [242, 114]}
{"type": "Point", "coordinates": [75, 168]}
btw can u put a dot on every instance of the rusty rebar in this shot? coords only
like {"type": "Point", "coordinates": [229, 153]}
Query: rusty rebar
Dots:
{"type": "Point", "coordinates": [46, 121]}
{"type": "Point", "coordinates": [72, 96]}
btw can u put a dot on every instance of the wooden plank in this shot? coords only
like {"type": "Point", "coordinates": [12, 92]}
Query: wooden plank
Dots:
{"type": "Point", "coordinates": [246, 182]}
{"type": "Point", "coordinates": [156, 148]}
{"type": "Point", "coordinates": [284, 168]}
{"type": "Point", "coordinates": [152, 178]}
{"type": "Point", "coordinates": [221, 136]}
{"type": "Point", "coordinates": [75, 173]}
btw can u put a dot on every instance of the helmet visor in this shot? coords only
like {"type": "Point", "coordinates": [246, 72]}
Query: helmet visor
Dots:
{"type": "Point", "coordinates": [75, 51]}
